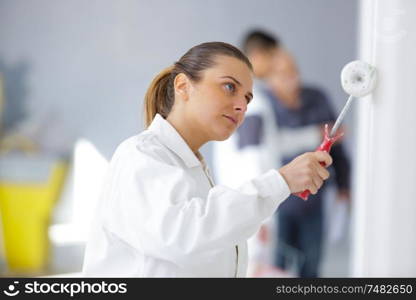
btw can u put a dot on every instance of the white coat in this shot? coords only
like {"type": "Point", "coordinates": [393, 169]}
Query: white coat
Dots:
{"type": "Point", "coordinates": [160, 214]}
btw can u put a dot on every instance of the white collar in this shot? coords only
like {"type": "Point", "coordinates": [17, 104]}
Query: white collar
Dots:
{"type": "Point", "coordinates": [171, 138]}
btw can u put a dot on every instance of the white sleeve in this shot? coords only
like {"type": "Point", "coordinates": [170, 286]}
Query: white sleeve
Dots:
{"type": "Point", "coordinates": [153, 210]}
{"type": "Point", "coordinates": [299, 139]}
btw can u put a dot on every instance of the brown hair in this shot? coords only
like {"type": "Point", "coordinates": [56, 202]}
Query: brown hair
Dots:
{"type": "Point", "coordinates": [160, 95]}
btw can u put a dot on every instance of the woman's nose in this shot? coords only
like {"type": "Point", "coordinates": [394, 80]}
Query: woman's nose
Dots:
{"type": "Point", "coordinates": [240, 105]}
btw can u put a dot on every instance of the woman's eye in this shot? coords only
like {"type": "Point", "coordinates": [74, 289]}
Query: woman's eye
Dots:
{"type": "Point", "coordinates": [230, 87]}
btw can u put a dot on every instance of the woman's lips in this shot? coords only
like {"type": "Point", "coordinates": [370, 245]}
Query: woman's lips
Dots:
{"type": "Point", "coordinates": [231, 119]}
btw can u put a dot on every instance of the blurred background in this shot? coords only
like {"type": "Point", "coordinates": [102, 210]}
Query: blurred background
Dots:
{"type": "Point", "coordinates": [72, 80]}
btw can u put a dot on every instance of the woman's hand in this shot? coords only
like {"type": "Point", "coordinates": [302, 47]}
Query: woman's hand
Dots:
{"type": "Point", "coordinates": [305, 171]}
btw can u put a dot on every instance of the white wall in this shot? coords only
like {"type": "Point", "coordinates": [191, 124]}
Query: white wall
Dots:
{"type": "Point", "coordinates": [385, 206]}
{"type": "Point", "coordinates": [91, 61]}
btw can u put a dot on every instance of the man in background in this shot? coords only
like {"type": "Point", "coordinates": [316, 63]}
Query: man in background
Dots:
{"type": "Point", "coordinates": [300, 223]}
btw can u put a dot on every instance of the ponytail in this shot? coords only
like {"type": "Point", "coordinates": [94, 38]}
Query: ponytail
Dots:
{"type": "Point", "coordinates": [159, 96]}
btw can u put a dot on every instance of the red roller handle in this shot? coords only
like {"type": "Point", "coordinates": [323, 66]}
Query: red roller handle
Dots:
{"type": "Point", "coordinates": [326, 147]}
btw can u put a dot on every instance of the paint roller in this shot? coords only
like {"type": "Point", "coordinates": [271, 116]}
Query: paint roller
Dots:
{"type": "Point", "coordinates": [358, 79]}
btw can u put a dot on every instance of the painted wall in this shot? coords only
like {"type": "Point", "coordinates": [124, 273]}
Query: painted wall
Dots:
{"type": "Point", "coordinates": [384, 210]}
{"type": "Point", "coordinates": [88, 63]}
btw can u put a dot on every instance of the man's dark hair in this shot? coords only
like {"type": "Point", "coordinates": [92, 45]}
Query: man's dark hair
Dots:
{"type": "Point", "coordinates": [259, 40]}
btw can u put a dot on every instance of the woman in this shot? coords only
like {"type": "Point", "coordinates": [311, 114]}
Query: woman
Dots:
{"type": "Point", "coordinates": [160, 214]}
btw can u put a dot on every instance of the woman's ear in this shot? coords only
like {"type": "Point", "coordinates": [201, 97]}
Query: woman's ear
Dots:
{"type": "Point", "coordinates": [181, 85]}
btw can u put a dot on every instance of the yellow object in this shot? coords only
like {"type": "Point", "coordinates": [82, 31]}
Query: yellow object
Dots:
{"type": "Point", "coordinates": [26, 210]}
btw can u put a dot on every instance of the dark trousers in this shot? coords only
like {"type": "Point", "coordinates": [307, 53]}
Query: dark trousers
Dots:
{"type": "Point", "coordinates": [299, 241]}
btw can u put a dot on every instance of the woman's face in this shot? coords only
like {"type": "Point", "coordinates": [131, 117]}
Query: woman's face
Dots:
{"type": "Point", "coordinates": [218, 102]}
